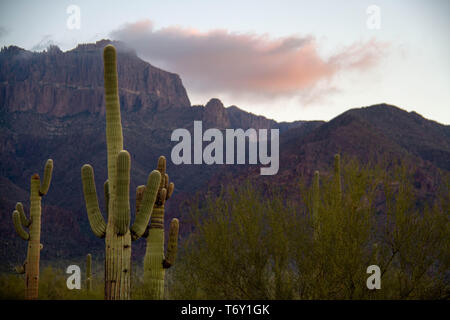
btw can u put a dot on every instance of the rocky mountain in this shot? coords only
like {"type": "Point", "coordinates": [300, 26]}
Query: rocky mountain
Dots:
{"type": "Point", "coordinates": [383, 134]}
{"type": "Point", "coordinates": [421, 137]}
{"type": "Point", "coordinates": [63, 84]}
{"type": "Point", "coordinates": [51, 106]}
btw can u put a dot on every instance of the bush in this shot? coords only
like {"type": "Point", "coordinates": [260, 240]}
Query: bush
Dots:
{"type": "Point", "coordinates": [52, 286]}
{"type": "Point", "coordinates": [247, 244]}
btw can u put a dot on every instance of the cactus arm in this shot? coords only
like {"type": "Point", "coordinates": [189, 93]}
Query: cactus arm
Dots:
{"type": "Point", "coordinates": [146, 207]}
{"type": "Point", "coordinates": [139, 196]}
{"type": "Point", "coordinates": [172, 246]}
{"type": "Point", "coordinates": [161, 167]}
{"type": "Point", "coordinates": [23, 218]}
{"type": "Point", "coordinates": [166, 181]}
{"type": "Point", "coordinates": [170, 189]}
{"type": "Point", "coordinates": [45, 184]}
{"type": "Point", "coordinates": [106, 192]}
{"type": "Point", "coordinates": [18, 226]}
{"type": "Point", "coordinates": [96, 220]}
{"type": "Point", "coordinates": [122, 202]}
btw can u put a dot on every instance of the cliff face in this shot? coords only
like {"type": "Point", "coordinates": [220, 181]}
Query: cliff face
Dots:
{"type": "Point", "coordinates": [62, 84]}
{"type": "Point", "coordinates": [214, 113]}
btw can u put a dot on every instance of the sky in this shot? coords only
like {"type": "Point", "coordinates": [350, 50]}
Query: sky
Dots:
{"type": "Point", "coordinates": [286, 60]}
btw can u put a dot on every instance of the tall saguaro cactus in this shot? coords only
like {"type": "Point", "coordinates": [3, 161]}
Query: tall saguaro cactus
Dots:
{"type": "Point", "coordinates": [116, 230]}
{"type": "Point", "coordinates": [31, 265]}
{"type": "Point", "coordinates": [155, 262]}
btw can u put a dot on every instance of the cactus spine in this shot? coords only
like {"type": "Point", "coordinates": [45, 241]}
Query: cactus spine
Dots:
{"type": "Point", "coordinates": [31, 265]}
{"type": "Point", "coordinates": [155, 262]}
{"type": "Point", "coordinates": [88, 272]}
{"type": "Point", "coordinates": [116, 231]}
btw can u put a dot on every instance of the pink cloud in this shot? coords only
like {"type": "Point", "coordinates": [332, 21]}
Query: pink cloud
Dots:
{"type": "Point", "coordinates": [245, 64]}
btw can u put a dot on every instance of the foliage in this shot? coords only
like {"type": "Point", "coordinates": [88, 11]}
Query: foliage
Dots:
{"type": "Point", "coordinates": [52, 286]}
{"type": "Point", "coordinates": [253, 245]}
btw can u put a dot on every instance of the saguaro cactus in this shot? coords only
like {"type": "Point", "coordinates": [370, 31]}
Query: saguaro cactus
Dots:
{"type": "Point", "coordinates": [116, 231]}
{"type": "Point", "coordinates": [155, 262]}
{"type": "Point", "coordinates": [88, 272]}
{"type": "Point", "coordinates": [31, 265]}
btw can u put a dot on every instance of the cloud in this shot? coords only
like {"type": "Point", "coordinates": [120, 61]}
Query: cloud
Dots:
{"type": "Point", "coordinates": [247, 64]}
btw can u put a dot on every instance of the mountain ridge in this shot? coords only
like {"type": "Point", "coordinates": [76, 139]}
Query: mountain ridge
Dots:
{"type": "Point", "coordinates": [66, 83]}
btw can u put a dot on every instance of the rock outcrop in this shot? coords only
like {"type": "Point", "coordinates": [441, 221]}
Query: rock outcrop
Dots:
{"type": "Point", "coordinates": [63, 84]}
{"type": "Point", "coordinates": [215, 114]}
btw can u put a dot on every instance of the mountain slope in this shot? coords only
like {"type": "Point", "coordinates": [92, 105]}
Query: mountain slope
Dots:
{"type": "Point", "coordinates": [381, 134]}
{"type": "Point", "coordinates": [424, 138]}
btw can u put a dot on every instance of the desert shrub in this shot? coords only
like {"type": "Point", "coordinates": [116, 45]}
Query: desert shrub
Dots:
{"type": "Point", "coordinates": [52, 286]}
{"type": "Point", "coordinates": [12, 287]}
{"type": "Point", "coordinates": [239, 241]}
{"type": "Point", "coordinates": [250, 244]}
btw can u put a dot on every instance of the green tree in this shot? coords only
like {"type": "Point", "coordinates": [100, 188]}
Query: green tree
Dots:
{"type": "Point", "coordinates": [250, 244]}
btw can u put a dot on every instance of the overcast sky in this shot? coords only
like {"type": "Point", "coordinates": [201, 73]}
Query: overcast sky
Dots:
{"type": "Point", "coordinates": [286, 60]}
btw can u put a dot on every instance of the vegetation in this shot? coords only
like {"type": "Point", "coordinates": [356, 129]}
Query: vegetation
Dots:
{"type": "Point", "coordinates": [52, 286]}
{"type": "Point", "coordinates": [252, 245]}
{"type": "Point", "coordinates": [31, 265]}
